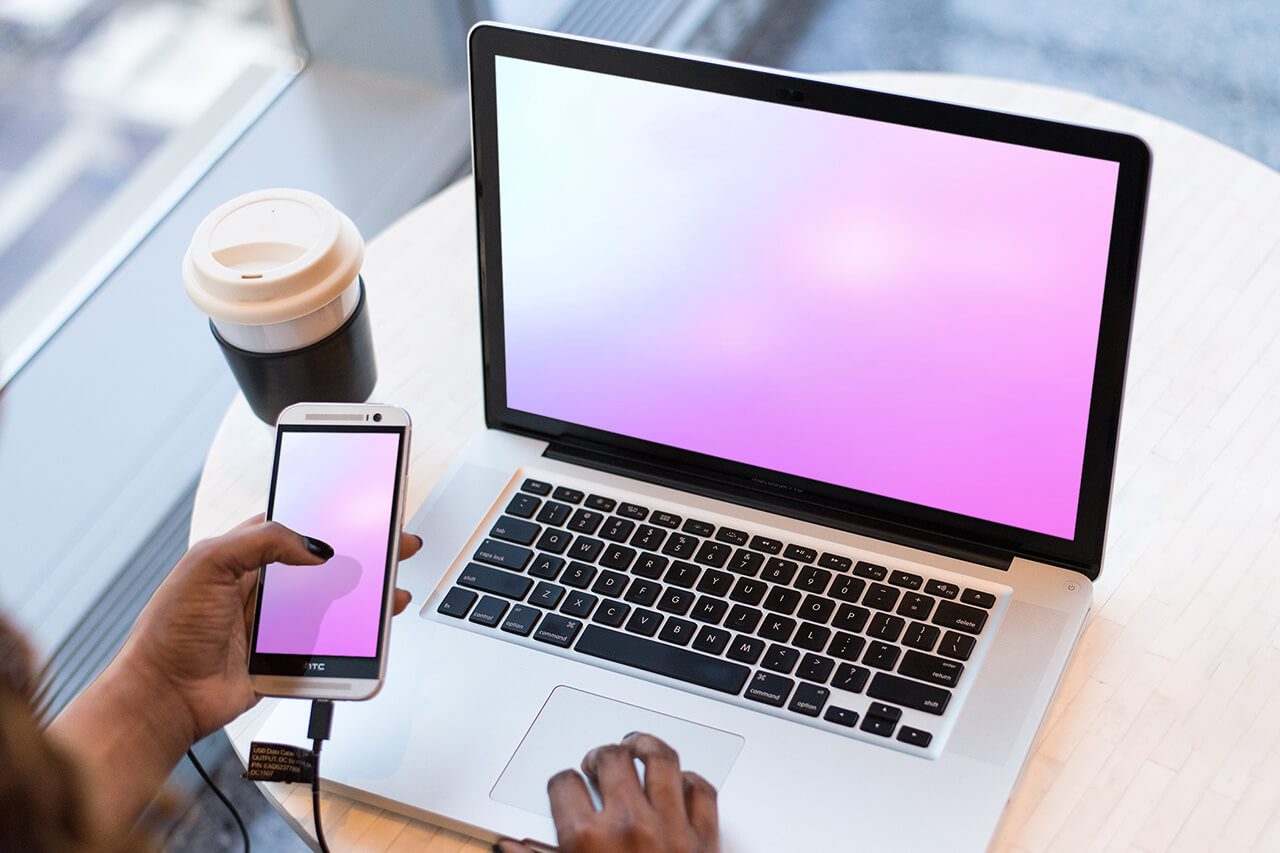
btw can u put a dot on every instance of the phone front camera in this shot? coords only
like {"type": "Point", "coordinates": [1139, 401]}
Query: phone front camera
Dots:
{"type": "Point", "coordinates": [377, 416]}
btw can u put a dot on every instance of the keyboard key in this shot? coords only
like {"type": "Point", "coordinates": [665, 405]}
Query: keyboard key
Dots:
{"type": "Point", "coordinates": [602, 504]}
{"type": "Point", "coordinates": [911, 694]}
{"type": "Point", "coordinates": [610, 584]}
{"type": "Point", "coordinates": [698, 528]}
{"type": "Point", "coordinates": [617, 557]}
{"type": "Point", "coordinates": [502, 554]}
{"type": "Point", "coordinates": [886, 627]}
{"type": "Point", "coordinates": [546, 595]}
{"type": "Point", "coordinates": [665, 519]}
{"type": "Point", "coordinates": [888, 712]}
{"type": "Point", "coordinates": [945, 590]}
{"type": "Point", "coordinates": [812, 637]}
{"type": "Point", "coordinates": [676, 601]}
{"type": "Point", "coordinates": [880, 597]}
{"type": "Point", "coordinates": [816, 608]}
{"type": "Point", "coordinates": [870, 570]}
{"type": "Point", "coordinates": [678, 631]}
{"type": "Point", "coordinates": [554, 540]}
{"type": "Point", "coordinates": [850, 617]}
{"type": "Point", "coordinates": [743, 618]}
{"type": "Point", "coordinates": [546, 566]}
{"type": "Point", "coordinates": [780, 658]}
{"type": "Point", "coordinates": [813, 580]}
{"type": "Point", "coordinates": [746, 649]}
{"type": "Point", "coordinates": [915, 606]}
{"type": "Point", "coordinates": [521, 620]}
{"type": "Point", "coordinates": [907, 579]}
{"type": "Point", "coordinates": [959, 617]}
{"type": "Point", "coordinates": [769, 689]}
{"type": "Point", "coordinates": [715, 583]}
{"type": "Point", "coordinates": [832, 561]}
{"type": "Point", "coordinates": [681, 546]}
{"type": "Point", "coordinates": [494, 581]}
{"type": "Point", "coordinates": [768, 546]}
{"type": "Point", "coordinates": [881, 655]}
{"type": "Point", "coordinates": [815, 668]}
{"type": "Point", "coordinates": [915, 737]}
{"type": "Point", "coordinates": [585, 548]}
{"type": "Point", "coordinates": [713, 641]}
{"type": "Point", "coordinates": [554, 514]}
{"type": "Point", "coordinates": [708, 609]}
{"type": "Point", "coordinates": [851, 678]}
{"type": "Point", "coordinates": [457, 602]}
{"type": "Point", "coordinates": [489, 611]}
{"type": "Point", "coordinates": [878, 725]}
{"type": "Point", "coordinates": [648, 537]}
{"type": "Point", "coordinates": [644, 592]}
{"type": "Point", "coordinates": [567, 495]}
{"type": "Point", "coordinates": [537, 487]}
{"type": "Point", "coordinates": [978, 598]}
{"type": "Point", "coordinates": [514, 530]}
{"type": "Point", "coordinates": [714, 554]}
{"type": "Point", "coordinates": [748, 591]}
{"type": "Point", "coordinates": [778, 570]}
{"type": "Point", "coordinates": [557, 630]}
{"type": "Point", "coordinates": [644, 622]}
{"type": "Point", "coordinates": [585, 521]}
{"type": "Point", "coordinates": [663, 659]}
{"type": "Point", "coordinates": [782, 599]}
{"type": "Point", "coordinates": [612, 613]}
{"type": "Point", "coordinates": [745, 562]}
{"type": "Point", "coordinates": [809, 699]}
{"type": "Point", "coordinates": [777, 628]}
{"type": "Point", "coordinates": [846, 646]}
{"type": "Point", "coordinates": [800, 553]}
{"type": "Point", "coordinates": [848, 588]}
{"type": "Point", "coordinates": [731, 536]}
{"type": "Point", "coordinates": [578, 575]}
{"type": "Point", "coordinates": [617, 529]}
{"type": "Point", "coordinates": [682, 574]}
{"type": "Point", "coordinates": [579, 604]}
{"type": "Point", "coordinates": [935, 670]}
{"type": "Point", "coordinates": [523, 506]}
{"type": "Point", "coordinates": [958, 646]}
{"type": "Point", "coordinates": [921, 636]}
{"type": "Point", "coordinates": [635, 511]}
{"type": "Point", "coordinates": [841, 716]}
{"type": "Point", "coordinates": [650, 566]}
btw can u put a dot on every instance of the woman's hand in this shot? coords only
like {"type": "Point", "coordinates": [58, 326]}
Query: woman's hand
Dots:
{"type": "Point", "coordinates": [672, 811]}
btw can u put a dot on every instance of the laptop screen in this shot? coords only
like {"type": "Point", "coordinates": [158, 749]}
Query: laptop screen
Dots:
{"type": "Point", "coordinates": [905, 312]}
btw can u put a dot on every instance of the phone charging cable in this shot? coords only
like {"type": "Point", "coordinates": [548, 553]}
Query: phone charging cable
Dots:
{"type": "Point", "coordinates": [318, 731]}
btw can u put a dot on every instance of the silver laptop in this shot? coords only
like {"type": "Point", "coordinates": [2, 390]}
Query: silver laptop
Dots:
{"type": "Point", "coordinates": [802, 406]}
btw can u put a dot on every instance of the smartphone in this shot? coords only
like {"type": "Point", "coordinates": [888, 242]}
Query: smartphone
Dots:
{"type": "Point", "coordinates": [322, 632]}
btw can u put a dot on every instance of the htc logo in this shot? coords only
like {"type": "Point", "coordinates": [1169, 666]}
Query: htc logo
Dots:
{"type": "Point", "coordinates": [315, 667]}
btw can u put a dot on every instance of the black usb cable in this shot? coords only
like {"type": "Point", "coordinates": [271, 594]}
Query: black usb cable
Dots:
{"type": "Point", "coordinates": [318, 731]}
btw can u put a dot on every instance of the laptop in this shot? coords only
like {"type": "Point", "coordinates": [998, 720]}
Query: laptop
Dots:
{"type": "Point", "coordinates": [802, 404]}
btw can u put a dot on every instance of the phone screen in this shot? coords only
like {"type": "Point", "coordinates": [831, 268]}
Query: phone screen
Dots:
{"type": "Point", "coordinates": [338, 484]}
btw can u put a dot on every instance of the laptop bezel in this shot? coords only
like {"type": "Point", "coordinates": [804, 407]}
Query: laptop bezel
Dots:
{"type": "Point", "coordinates": [1083, 552]}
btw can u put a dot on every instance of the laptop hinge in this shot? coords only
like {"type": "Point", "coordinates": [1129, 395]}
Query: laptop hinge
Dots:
{"type": "Point", "coordinates": [652, 471]}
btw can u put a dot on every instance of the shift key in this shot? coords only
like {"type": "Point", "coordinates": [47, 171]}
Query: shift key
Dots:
{"type": "Point", "coordinates": [503, 554]}
{"type": "Point", "coordinates": [495, 581]}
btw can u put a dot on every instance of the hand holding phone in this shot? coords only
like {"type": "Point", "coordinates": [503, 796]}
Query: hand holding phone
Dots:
{"type": "Point", "coordinates": [338, 475]}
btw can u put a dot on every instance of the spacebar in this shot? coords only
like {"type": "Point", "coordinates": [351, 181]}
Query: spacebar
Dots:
{"type": "Point", "coordinates": [663, 659]}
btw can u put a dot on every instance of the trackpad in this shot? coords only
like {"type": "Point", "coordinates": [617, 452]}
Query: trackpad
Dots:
{"type": "Point", "coordinates": [572, 723]}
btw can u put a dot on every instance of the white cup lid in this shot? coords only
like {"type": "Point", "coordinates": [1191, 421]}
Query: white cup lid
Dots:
{"type": "Point", "coordinates": [271, 256]}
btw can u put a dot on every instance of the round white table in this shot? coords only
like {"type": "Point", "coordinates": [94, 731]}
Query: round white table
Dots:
{"type": "Point", "coordinates": [1165, 733]}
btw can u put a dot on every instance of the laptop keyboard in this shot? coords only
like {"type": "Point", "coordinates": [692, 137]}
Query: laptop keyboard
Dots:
{"type": "Point", "coordinates": [844, 644]}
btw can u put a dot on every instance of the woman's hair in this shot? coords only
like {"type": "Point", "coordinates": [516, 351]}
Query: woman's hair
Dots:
{"type": "Point", "coordinates": [42, 803]}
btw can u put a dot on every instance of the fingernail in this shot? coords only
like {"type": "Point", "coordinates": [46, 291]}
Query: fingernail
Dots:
{"type": "Point", "coordinates": [321, 549]}
{"type": "Point", "coordinates": [419, 538]}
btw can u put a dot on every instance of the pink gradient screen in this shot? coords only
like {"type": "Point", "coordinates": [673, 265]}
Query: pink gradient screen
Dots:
{"type": "Point", "coordinates": [902, 311]}
{"type": "Point", "coordinates": [339, 487]}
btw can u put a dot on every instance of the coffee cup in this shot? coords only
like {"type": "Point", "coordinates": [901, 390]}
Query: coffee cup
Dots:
{"type": "Point", "coordinates": [278, 273]}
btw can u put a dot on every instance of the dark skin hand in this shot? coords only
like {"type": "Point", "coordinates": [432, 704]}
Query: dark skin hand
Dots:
{"type": "Point", "coordinates": [672, 810]}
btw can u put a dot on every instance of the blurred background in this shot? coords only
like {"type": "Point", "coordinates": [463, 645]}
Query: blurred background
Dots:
{"type": "Point", "coordinates": [123, 121]}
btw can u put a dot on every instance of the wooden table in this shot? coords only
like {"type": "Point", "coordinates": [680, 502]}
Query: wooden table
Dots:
{"type": "Point", "coordinates": [1165, 733]}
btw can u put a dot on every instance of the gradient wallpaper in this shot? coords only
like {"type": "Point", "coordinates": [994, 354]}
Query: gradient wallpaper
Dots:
{"type": "Point", "coordinates": [339, 487]}
{"type": "Point", "coordinates": [901, 311]}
